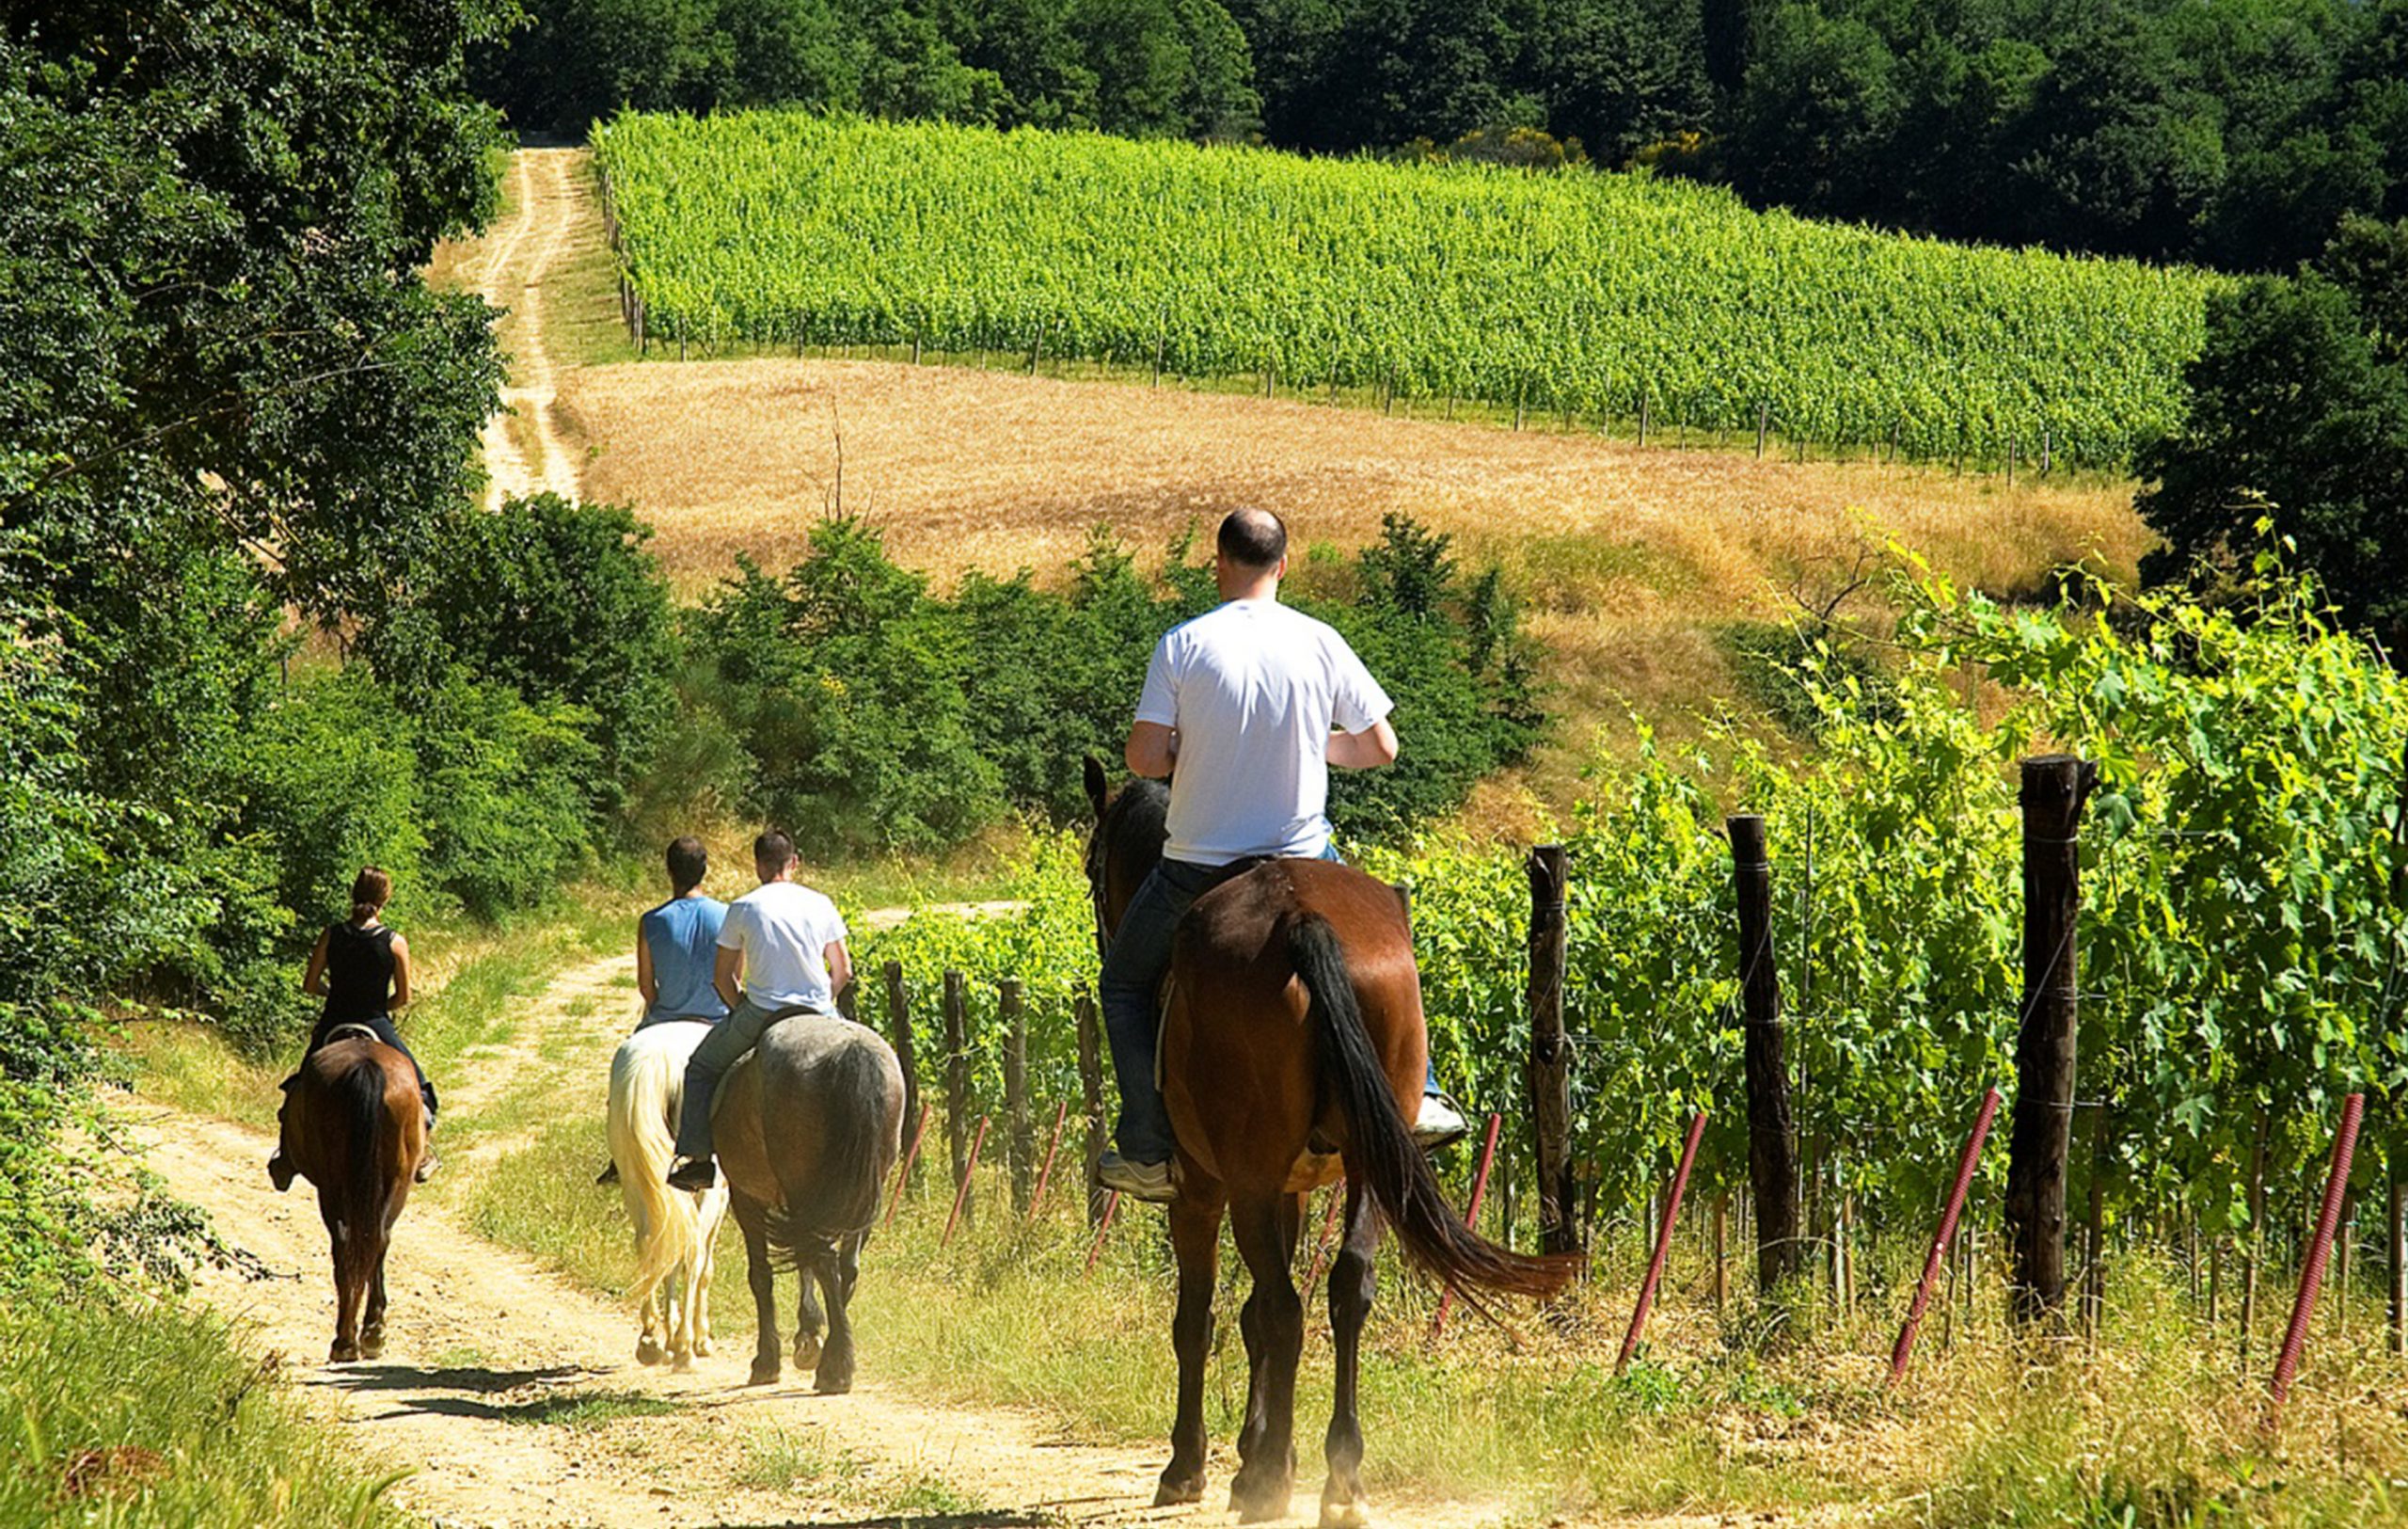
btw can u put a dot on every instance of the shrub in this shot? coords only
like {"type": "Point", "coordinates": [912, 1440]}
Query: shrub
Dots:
{"type": "Point", "coordinates": [505, 796]}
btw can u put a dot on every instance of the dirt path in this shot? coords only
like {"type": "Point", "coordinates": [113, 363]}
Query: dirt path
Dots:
{"type": "Point", "coordinates": [509, 1392]}
{"type": "Point", "coordinates": [523, 448]}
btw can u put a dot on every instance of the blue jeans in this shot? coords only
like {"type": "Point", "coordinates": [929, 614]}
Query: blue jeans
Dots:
{"type": "Point", "coordinates": [729, 1040]}
{"type": "Point", "coordinates": [1129, 995]}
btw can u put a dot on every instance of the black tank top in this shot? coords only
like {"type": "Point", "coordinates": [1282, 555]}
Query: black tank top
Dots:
{"type": "Point", "coordinates": [359, 971]}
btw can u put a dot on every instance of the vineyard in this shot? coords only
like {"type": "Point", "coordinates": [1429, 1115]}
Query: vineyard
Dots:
{"type": "Point", "coordinates": [1566, 296]}
{"type": "Point", "coordinates": [2244, 932]}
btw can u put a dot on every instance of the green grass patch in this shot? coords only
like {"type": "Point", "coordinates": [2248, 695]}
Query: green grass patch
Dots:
{"type": "Point", "coordinates": [150, 1414]}
{"type": "Point", "coordinates": [782, 1460]}
{"type": "Point", "coordinates": [586, 1410]}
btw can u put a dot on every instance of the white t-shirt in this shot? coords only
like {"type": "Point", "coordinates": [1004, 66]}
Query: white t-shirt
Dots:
{"type": "Point", "coordinates": [1253, 689]}
{"type": "Point", "coordinates": [784, 929]}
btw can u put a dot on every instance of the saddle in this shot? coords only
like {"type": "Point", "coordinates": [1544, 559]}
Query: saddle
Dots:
{"type": "Point", "coordinates": [352, 1030]}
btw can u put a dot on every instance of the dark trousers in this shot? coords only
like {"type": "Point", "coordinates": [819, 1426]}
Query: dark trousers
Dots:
{"type": "Point", "coordinates": [382, 1026]}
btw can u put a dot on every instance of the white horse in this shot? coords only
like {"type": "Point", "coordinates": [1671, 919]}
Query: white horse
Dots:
{"type": "Point", "coordinates": [675, 1229]}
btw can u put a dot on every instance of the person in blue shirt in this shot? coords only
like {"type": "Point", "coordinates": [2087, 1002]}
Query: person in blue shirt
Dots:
{"type": "Point", "coordinates": [676, 947]}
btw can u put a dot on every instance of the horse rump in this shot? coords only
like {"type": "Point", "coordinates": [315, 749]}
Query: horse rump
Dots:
{"type": "Point", "coordinates": [851, 1099]}
{"type": "Point", "coordinates": [1380, 1152]}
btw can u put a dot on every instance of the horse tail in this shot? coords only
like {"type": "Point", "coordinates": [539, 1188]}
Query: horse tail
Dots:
{"type": "Point", "coordinates": [1380, 1152]}
{"type": "Point", "coordinates": [366, 1195]}
{"type": "Point", "coordinates": [857, 1127]}
{"type": "Point", "coordinates": [646, 1085]}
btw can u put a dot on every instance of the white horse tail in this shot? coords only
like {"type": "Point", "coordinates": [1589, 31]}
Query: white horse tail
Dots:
{"type": "Point", "coordinates": [647, 1081]}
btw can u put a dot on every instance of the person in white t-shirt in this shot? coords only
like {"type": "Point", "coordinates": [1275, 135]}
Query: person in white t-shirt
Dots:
{"type": "Point", "coordinates": [785, 943]}
{"type": "Point", "coordinates": [1253, 702]}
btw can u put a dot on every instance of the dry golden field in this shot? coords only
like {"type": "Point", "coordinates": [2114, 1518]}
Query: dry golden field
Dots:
{"type": "Point", "coordinates": [1630, 560]}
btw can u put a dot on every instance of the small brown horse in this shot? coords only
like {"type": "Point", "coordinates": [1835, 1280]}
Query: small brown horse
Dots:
{"type": "Point", "coordinates": [808, 1125]}
{"type": "Point", "coordinates": [353, 1124]}
{"type": "Point", "coordinates": [1292, 1050]}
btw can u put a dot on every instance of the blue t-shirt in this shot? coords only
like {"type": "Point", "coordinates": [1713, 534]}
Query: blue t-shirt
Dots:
{"type": "Point", "coordinates": [683, 936]}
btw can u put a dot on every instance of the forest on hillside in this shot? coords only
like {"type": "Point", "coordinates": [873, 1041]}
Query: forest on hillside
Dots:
{"type": "Point", "coordinates": [2236, 134]}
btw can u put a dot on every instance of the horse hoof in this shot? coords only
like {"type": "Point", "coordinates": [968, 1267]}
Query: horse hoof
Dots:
{"type": "Point", "coordinates": [1354, 1514]}
{"type": "Point", "coordinates": [680, 1363]}
{"type": "Point", "coordinates": [342, 1352]}
{"type": "Point", "coordinates": [648, 1352]}
{"type": "Point", "coordinates": [1176, 1491]}
{"type": "Point", "coordinates": [806, 1353]}
{"type": "Point", "coordinates": [371, 1347]}
{"type": "Point", "coordinates": [1258, 1505]}
{"type": "Point", "coordinates": [765, 1373]}
{"type": "Point", "coordinates": [833, 1385]}
{"type": "Point", "coordinates": [702, 1349]}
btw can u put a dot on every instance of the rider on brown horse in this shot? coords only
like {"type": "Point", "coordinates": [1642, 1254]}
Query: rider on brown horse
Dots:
{"type": "Point", "coordinates": [361, 967]}
{"type": "Point", "coordinates": [1253, 702]}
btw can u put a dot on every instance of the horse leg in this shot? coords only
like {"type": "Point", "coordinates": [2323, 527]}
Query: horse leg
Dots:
{"type": "Point", "coordinates": [347, 1293]}
{"type": "Point", "coordinates": [1263, 1482]}
{"type": "Point", "coordinates": [838, 1269]}
{"type": "Point", "coordinates": [749, 1216]}
{"type": "Point", "coordinates": [1352, 1282]}
{"type": "Point", "coordinates": [698, 1291]}
{"type": "Point", "coordinates": [1250, 1324]}
{"type": "Point", "coordinates": [371, 1330]}
{"type": "Point", "coordinates": [1195, 1238]}
{"type": "Point", "coordinates": [809, 1320]}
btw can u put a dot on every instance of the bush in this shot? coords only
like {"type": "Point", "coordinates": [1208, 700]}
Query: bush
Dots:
{"type": "Point", "coordinates": [555, 598]}
{"type": "Point", "coordinates": [505, 794]}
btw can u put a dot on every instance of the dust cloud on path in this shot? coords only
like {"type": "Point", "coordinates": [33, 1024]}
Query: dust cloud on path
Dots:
{"type": "Point", "coordinates": [509, 1395]}
{"type": "Point", "coordinates": [524, 451]}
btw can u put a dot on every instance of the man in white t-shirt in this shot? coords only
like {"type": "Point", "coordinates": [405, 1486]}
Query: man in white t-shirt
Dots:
{"type": "Point", "coordinates": [786, 943]}
{"type": "Point", "coordinates": [1253, 702]}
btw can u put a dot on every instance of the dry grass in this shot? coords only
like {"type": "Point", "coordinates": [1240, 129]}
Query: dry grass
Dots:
{"type": "Point", "coordinates": [1630, 558]}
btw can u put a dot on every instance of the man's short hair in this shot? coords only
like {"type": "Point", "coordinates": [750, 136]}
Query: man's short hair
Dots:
{"type": "Point", "coordinates": [688, 862]}
{"type": "Point", "coordinates": [773, 850]}
{"type": "Point", "coordinates": [1252, 539]}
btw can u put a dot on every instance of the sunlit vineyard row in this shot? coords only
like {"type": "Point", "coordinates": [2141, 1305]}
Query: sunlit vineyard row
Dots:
{"type": "Point", "coordinates": [1567, 293]}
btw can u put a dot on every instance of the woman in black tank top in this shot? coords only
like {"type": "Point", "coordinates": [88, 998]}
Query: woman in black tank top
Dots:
{"type": "Point", "coordinates": [361, 967]}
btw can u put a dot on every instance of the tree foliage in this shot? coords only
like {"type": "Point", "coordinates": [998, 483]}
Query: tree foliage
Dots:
{"type": "Point", "coordinates": [2299, 415]}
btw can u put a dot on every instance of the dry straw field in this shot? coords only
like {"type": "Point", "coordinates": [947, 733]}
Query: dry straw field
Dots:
{"type": "Point", "coordinates": [1631, 558]}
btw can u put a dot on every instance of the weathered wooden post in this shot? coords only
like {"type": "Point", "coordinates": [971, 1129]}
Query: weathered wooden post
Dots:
{"type": "Point", "coordinates": [1022, 1147]}
{"type": "Point", "coordinates": [1092, 1085]}
{"type": "Point", "coordinates": [956, 1086]}
{"type": "Point", "coordinates": [1550, 1072]}
{"type": "Point", "coordinates": [2394, 1171]}
{"type": "Point", "coordinates": [1772, 1143]}
{"type": "Point", "coordinates": [2055, 786]}
{"type": "Point", "coordinates": [898, 1032]}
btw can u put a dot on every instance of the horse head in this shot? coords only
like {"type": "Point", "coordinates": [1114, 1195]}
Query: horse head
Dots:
{"type": "Point", "coordinates": [1131, 826]}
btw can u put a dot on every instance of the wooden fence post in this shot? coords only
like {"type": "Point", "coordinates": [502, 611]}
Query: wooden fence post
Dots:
{"type": "Point", "coordinates": [1092, 1085]}
{"type": "Point", "coordinates": [1021, 1146]}
{"type": "Point", "coordinates": [1549, 1071]}
{"type": "Point", "coordinates": [2055, 786]}
{"type": "Point", "coordinates": [898, 1032]}
{"type": "Point", "coordinates": [957, 1085]}
{"type": "Point", "coordinates": [1772, 1143]}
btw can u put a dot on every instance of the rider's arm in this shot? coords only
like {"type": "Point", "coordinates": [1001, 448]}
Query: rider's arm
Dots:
{"type": "Point", "coordinates": [314, 981]}
{"type": "Point", "coordinates": [723, 970]}
{"type": "Point", "coordinates": [646, 983]}
{"type": "Point", "coordinates": [1151, 749]}
{"type": "Point", "coordinates": [1370, 749]}
{"type": "Point", "coordinates": [401, 973]}
{"type": "Point", "coordinates": [840, 966]}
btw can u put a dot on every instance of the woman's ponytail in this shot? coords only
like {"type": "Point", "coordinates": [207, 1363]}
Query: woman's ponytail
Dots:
{"type": "Point", "coordinates": [368, 891]}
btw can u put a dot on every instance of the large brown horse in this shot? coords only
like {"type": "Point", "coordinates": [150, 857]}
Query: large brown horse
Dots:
{"type": "Point", "coordinates": [353, 1124]}
{"type": "Point", "coordinates": [808, 1125]}
{"type": "Point", "coordinates": [1293, 1052]}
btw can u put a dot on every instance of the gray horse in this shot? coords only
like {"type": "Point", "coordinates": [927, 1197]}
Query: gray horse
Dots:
{"type": "Point", "coordinates": [809, 1125]}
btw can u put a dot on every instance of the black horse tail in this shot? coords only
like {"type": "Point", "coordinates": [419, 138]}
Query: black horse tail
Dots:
{"type": "Point", "coordinates": [1379, 1150]}
{"type": "Point", "coordinates": [364, 1200]}
{"type": "Point", "coordinates": [840, 1198]}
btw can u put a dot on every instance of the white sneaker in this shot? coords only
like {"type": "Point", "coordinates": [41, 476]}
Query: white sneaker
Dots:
{"type": "Point", "coordinates": [1139, 1181]}
{"type": "Point", "coordinates": [1441, 1123]}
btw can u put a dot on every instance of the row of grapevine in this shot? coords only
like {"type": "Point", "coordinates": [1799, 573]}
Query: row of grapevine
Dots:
{"type": "Point", "coordinates": [1573, 293]}
{"type": "Point", "coordinates": [2244, 954]}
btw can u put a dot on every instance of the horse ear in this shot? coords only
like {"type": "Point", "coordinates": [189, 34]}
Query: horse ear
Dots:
{"type": "Point", "coordinates": [1098, 787]}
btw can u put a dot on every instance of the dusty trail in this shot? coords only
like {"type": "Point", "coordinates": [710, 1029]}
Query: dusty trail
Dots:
{"type": "Point", "coordinates": [510, 1394]}
{"type": "Point", "coordinates": [524, 451]}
